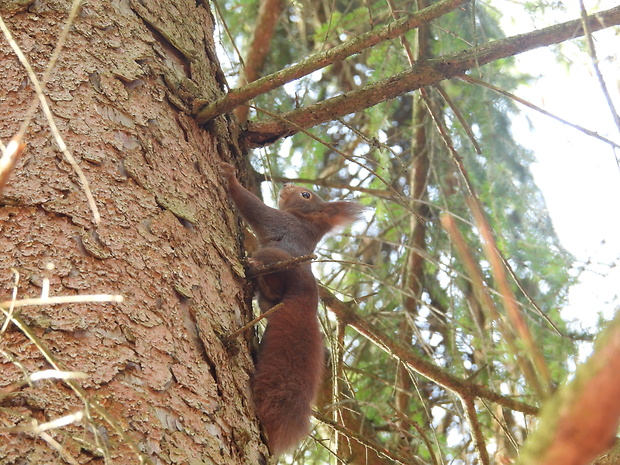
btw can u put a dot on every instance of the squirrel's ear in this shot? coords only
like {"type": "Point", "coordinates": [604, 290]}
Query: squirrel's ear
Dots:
{"type": "Point", "coordinates": [343, 213]}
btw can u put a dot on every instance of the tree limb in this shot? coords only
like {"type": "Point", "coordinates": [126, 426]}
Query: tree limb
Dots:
{"type": "Point", "coordinates": [423, 73]}
{"type": "Point", "coordinates": [417, 363]}
{"type": "Point", "coordinates": [356, 45]}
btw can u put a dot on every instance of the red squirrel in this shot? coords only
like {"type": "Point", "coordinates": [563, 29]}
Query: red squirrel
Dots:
{"type": "Point", "coordinates": [290, 359]}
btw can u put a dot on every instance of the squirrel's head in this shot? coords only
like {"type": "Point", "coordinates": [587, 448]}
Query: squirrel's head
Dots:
{"type": "Point", "coordinates": [304, 203]}
{"type": "Point", "coordinates": [292, 196]}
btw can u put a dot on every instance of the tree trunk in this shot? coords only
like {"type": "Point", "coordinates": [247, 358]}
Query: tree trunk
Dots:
{"type": "Point", "coordinates": [161, 382]}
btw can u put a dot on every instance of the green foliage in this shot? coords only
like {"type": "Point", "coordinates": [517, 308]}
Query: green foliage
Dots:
{"type": "Point", "coordinates": [437, 313]}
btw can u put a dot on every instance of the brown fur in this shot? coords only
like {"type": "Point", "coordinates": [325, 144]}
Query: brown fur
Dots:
{"type": "Point", "coordinates": [290, 358]}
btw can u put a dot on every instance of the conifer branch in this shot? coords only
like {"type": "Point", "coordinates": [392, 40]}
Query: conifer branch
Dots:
{"type": "Point", "coordinates": [356, 45]}
{"type": "Point", "coordinates": [423, 366]}
{"type": "Point", "coordinates": [423, 73]}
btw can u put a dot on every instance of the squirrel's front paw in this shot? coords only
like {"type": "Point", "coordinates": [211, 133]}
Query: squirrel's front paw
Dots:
{"type": "Point", "coordinates": [227, 169]}
{"type": "Point", "coordinates": [253, 263]}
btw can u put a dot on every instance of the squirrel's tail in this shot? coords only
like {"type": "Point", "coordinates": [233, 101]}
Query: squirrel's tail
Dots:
{"type": "Point", "coordinates": [288, 373]}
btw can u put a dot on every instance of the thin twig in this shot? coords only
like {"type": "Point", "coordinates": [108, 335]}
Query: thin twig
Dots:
{"type": "Point", "coordinates": [59, 447]}
{"type": "Point", "coordinates": [516, 98]}
{"type": "Point", "coordinates": [230, 35]}
{"type": "Point", "coordinates": [502, 424]}
{"type": "Point", "coordinates": [407, 419]}
{"type": "Point", "coordinates": [597, 70]}
{"type": "Point", "coordinates": [379, 449]}
{"type": "Point", "coordinates": [476, 431]}
{"type": "Point", "coordinates": [39, 89]}
{"type": "Point", "coordinates": [12, 303]}
{"type": "Point", "coordinates": [62, 38]}
{"type": "Point", "coordinates": [64, 299]}
{"type": "Point", "coordinates": [247, 326]}
{"type": "Point", "coordinates": [459, 116]}
{"type": "Point", "coordinates": [419, 364]}
{"type": "Point", "coordinates": [271, 268]}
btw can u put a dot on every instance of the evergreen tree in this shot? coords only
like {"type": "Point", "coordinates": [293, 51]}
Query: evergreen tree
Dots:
{"type": "Point", "coordinates": [441, 309]}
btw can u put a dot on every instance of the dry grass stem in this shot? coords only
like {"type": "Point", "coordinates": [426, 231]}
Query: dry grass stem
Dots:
{"type": "Point", "coordinates": [39, 89]}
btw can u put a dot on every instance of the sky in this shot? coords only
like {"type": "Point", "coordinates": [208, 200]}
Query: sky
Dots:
{"type": "Point", "coordinates": [578, 174]}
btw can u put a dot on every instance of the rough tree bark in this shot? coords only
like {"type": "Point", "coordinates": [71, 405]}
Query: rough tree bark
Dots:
{"type": "Point", "coordinates": [161, 383]}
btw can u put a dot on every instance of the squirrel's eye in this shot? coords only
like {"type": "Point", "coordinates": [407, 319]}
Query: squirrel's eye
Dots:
{"type": "Point", "coordinates": [305, 195]}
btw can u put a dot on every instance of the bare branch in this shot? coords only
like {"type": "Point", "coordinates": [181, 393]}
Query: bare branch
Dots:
{"type": "Point", "coordinates": [254, 322]}
{"type": "Point", "coordinates": [476, 430]}
{"type": "Point", "coordinates": [423, 73]}
{"type": "Point", "coordinates": [356, 45]}
{"type": "Point", "coordinates": [480, 82]}
{"type": "Point", "coordinates": [597, 70]}
{"type": "Point", "coordinates": [417, 363]}
{"type": "Point", "coordinates": [378, 448]}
